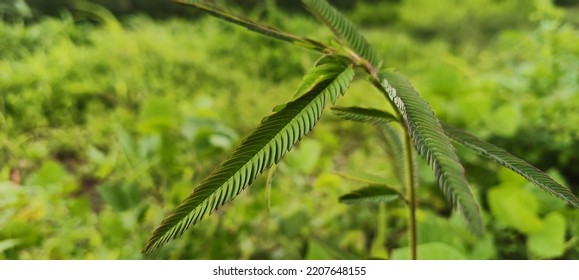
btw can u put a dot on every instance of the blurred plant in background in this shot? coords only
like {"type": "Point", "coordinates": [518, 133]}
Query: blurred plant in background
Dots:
{"type": "Point", "coordinates": [105, 120]}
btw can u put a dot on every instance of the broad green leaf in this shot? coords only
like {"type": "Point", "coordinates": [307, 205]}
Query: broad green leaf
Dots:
{"type": "Point", "coordinates": [344, 29]}
{"type": "Point", "coordinates": [434, 228]}
{"type": "Point", "coordinates": [432, 144]}
{"type": "Point", "coordinates": [360, 114]}
{"type": "Point", "coordinates": [266, 145]}
{"type": "Point", "coordinates": [550, 241]}
{"type": "Point", "coordinates": [430, 251]}
{"type": "Point", "coordinates": [221, 13]}
{"type": "Point", "coordinates": [503, 121]}
{"type": "Point", "coordinates": [521, 167]}
{"type": "Point", "coordinates": [515, 208]}
{"type": "Point", "coordinates": [373, 194]}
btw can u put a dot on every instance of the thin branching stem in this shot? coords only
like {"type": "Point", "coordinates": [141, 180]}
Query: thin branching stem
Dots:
{"type": "Point", "coordinates": [410, 188]}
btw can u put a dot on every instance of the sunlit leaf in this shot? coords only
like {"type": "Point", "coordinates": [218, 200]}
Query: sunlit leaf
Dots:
{"type": "Point", "coordinates": [515, 208]}
{"type": "Point", "coordinates": [550, 241]}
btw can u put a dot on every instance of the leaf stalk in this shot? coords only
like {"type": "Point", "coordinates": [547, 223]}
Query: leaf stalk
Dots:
{"type": "Point", "coordinates": [410, 188]}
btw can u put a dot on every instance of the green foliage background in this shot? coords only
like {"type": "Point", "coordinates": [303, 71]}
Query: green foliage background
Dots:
{"type": "Point", "coordinates": [111, 122]}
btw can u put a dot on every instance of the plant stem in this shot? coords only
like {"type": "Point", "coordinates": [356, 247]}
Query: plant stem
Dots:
{"type": "Point", "coordinates": [268, 183]}
{"type": "Point", "coordinates": [378, 249]}
{"type": "Point", "coordinates": [410, 188]}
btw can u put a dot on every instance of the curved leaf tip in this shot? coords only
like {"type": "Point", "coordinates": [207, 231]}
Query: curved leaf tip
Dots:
{"type": "Point", "coordinates": [519, 166]}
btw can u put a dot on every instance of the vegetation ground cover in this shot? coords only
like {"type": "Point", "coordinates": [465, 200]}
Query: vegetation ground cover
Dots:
{"type": "Point", "coordinates": [108, 126]}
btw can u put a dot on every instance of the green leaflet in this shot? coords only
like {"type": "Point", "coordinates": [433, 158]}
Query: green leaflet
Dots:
{"type": "Point", "coordinates": [433, 145]}
{"type": "Point", "coordinates": [221, 13]}
{"type": "Point", "coordinates": [343, 29]}
{"type": "Point", "coordinates": [360, 114]}
{"type": "Point", "coordinates": [372, 194]}
{"type": "Point", "coordinates": [319, 73]}
{"type": "Point", "coordinates": [266, 145]}
{"type": "Point", "coordinates": [521, 167]}
{"type": "Point", "coordinates": [363, 178]}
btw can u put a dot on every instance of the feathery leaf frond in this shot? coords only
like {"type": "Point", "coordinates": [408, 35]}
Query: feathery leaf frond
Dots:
{"type": "Point", "coordinates": [372, 194]}
{"type": "Point", "coordinates": [519, 166]}
{"type": "Point", "coordinates": [266, 145]}
{"type": "Point", "coordinates": [221, 13]}
{"type": "Point", "coordinates": [394, 151]}
{"type": "Point", "coordinates": [389, 136]}
{"type": "Point", "coordinates": [432, 144]}
{"type": "Point", "coordinates": [344, 29]}
{"type": "Point", "coordinates": [367, 115]}
{"type": "Point", "coordinates": [320, 72]}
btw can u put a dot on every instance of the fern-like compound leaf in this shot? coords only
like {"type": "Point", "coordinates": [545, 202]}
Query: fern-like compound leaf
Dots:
{"type": "Point", "coordinates": [266, 145]}
{"type": "Point", "coordinates": [519, 166]}
{"type": "Point", "coordinates": [224, 14]}
{"type": "Point", "coordinates": [372, 194]}
{"type": "Point", "coordinates": [390, 138]}
{"type": "Point", "coordinates": [320, 72]}
{"type": "Point", "coordinates": [392, 145]}
{"type": "Point", "coordinates": [432, 144]}
{"type": "Point", "coordinates": [344, 29]}
{"type": "Point", "coordinates": [366, 115]}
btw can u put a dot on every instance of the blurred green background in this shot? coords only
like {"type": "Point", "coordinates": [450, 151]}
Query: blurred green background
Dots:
{"type": "Point", "coordinates": [112, 111]}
